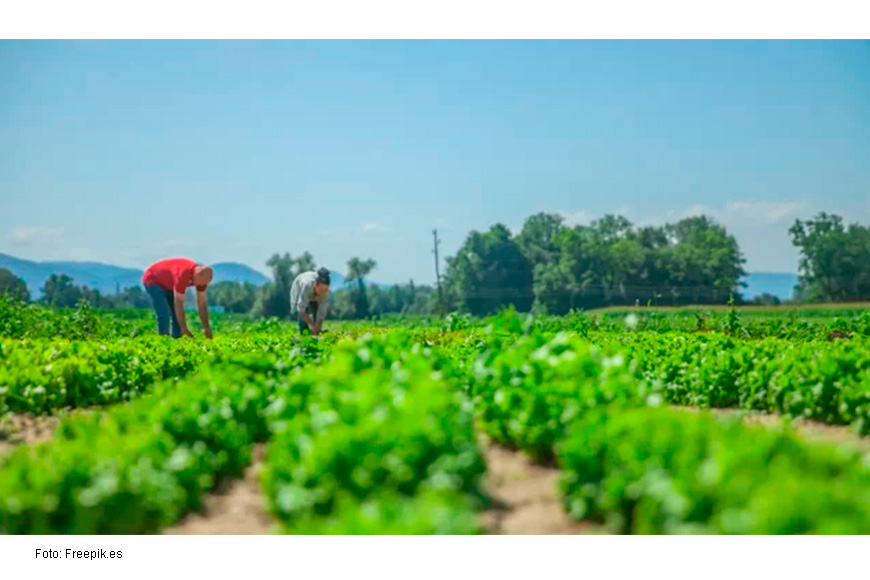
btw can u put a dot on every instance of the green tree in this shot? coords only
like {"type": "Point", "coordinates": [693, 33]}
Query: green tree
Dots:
{"type": "Point", "coordinates": [13, 286]}
{"type": "Point", "coordinates": [94, 298]}
{"type": "Point", "coordinates": [358, 269]}
{"type": "Point", "coordinates": [577, 279]}
{"type": "Point", "coordinates": [538, 239]}
{"type": "Point", "coordinates": [610, 262]}
{"type": "Point", "coordinates": [835, 259]}
{"type": "Point", "coordinates": [705, 261]}
{"type": "Point", "coordinates": [489, 272]}
{"type": "Point", "coordinates": [132, 297]}
{"type": "Point", "coordinates": [400, 299]}
{"type": "Point", "coordinates": [234, 297]}
{"type": "Point", "coordinates": [305, 263]}
{"type": "Point", "coordinates": [274, 297]}
{"type": "Point", "coordinates": [59, 292]}
{"type": "Point", "coordinates": [765, 299]}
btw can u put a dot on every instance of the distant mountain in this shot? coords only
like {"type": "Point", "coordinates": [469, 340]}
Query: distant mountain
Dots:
{"type": "Point", "coordinates": [780, 285]}
{"type": "Point", "coordinates": [107, 278]}
{"type": "Point", "coordinates": [235, 272]}
{"type": "Point", "coordinates": [103, 277]}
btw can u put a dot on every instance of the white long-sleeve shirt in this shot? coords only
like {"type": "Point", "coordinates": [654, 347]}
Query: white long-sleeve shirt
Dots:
{"type": "Point", "coordinates": [302, 292]}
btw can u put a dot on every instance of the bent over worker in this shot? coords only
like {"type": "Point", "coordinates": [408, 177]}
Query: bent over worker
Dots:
{"type": "Point", "coordinates": [166, 282]}
{"type": "Point", "coordinates": [309, 298]}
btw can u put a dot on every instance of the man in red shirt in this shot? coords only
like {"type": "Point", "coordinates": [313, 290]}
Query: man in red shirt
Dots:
{"type": "Point", "coordinates": [166, 281]}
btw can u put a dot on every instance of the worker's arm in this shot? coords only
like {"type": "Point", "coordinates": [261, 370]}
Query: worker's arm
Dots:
{"type": "Point", "coordinates": [322, 309]}
{"type": "Point", "coordinates": [309, 321]}
{"type": "Point", "coordinates": [202, 308]}
{"type": "Point", "coordinates": [179, 313]}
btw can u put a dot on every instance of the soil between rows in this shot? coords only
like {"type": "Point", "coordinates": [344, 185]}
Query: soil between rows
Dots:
{"type": "Point", "coordinates": [526, 497]}
{"type": "Point", "coordinates": [238, 509]}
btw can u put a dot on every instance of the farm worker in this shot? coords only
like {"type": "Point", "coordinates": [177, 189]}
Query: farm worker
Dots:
{"type": "Point", "coordinates": [309, 298]}
{"type": "Point", "coordinates": [167, 281]}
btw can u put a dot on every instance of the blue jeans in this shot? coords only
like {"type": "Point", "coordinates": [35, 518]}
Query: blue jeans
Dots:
{"type": "Point", "coordinates": [312, 312]}
{"type": "Point", "coordinates": [164, 306]}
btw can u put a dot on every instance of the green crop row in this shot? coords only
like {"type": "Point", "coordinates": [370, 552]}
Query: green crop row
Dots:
{"type": "Point", "coordinates": [389, 447]}
{"type": "Point", "coordinates": [20, 320]}
{"type": "Point", "coordinates": [828, 382]}
{"type": "Point", "coordinates": [790, 324]}
{"type": "Point", "coordinates": [377, 442]}
{"type": "Point", "coordinates": [647, 470]}
{"type": "Point", "coordinates": [40, 375]}
{"type": "Point", "coordinates": [141, 466]}
{"type": "Point", "coordinates": [528, 393]}
{"type": "Point", "coordinates": [661, 471]}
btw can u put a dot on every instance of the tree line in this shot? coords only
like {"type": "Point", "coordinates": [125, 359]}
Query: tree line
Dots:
{"type": "Point", "coordinates": [356, 300]}
{"type": "Point", "coordinates": [547, 267]}
{"type": "Point", "coordinates": [58, 291]}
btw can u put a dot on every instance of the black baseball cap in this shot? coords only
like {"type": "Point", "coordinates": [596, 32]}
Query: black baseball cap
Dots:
{"type": "Point", "coordinates": [323, 276]}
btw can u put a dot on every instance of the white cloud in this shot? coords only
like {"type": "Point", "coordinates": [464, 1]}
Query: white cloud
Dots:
{"type": "Point", "coordinates": [767, 211]}
{"type": "Point", "coordinates": [34, 236]}
{"type": "Point", "coordinates": [374, 227]}
{"type": "Point", "coordinates": [752, 211]}
{"type": "Point", "coordinates": [575, 218]}
{"type": "Point", "coordinates": [584, 218]}
{"type": "Point", "coordinates": [697, 210]}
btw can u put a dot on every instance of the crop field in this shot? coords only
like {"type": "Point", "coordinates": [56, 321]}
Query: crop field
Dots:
{"type": "Point", "coordinates": [639, 421]}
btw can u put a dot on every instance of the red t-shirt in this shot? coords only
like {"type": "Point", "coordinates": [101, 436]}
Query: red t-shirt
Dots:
{"type": "Point", "coordinates": [172, 274]}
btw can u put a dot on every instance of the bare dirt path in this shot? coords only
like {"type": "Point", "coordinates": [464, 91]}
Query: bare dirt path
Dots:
{"type": "Point", "coordinates": [18, 429]}
{"type": "Point", "coordinates": [526, 497]}
{"type": "Point", "coordinates": [21, 429]}
{"type": "Point", "coordinates": [238, 509]}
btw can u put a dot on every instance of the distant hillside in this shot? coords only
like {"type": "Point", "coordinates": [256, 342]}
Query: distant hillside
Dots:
{"type": "Point", "coordinates": [235, 272]}
{"type": "Point", "coordinates": [103, 277]}
{"type": "Point", "coordinates": [108, 278]}
{"type": "Point", "coordinates": [780, 285]}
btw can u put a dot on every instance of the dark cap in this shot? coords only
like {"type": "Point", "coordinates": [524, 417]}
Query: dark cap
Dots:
{"type": "Point", "coordinates": [323, 276]}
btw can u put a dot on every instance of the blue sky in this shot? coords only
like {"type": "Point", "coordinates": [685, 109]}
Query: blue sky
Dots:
{"type": "Point", "coordinates": [127, 152]}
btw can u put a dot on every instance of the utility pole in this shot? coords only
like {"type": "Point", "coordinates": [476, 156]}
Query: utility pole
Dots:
{"type": "Point", "coordinates": [438, 271]}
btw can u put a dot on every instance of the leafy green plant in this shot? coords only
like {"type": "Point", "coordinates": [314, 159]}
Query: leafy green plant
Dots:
{"type": "Point", "coordinates": [656, 471]}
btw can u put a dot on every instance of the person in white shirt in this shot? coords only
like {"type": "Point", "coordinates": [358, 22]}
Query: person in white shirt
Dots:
{"type": "Point", "coordinates": [309, 299]}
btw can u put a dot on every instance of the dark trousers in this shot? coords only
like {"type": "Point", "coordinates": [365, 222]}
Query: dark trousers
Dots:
{"type": "Point", "coordinates": [164, 306]}
{"type": "Point", "coordinates": [312, 312]}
